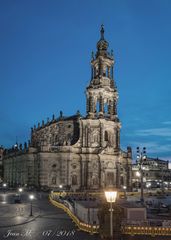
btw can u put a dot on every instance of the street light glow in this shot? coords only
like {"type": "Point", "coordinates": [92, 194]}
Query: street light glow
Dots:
{"type": "Point", "coordinates": [4, 184]}
{"type": "Point", "coordinates": [20, 190]}
{"type": "Point", "coordinates": [31, 197]}
{"type": "Point", "coordinates": [110, 196]}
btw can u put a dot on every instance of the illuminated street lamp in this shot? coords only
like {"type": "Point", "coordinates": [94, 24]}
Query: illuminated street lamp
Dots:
{"type": "Point", "coordinates": [111, 197]}
{"type": "Point", "coordinates": [138, 174]}
{"type": "Point", "coordinates": [148, 186]}
{"type": "Point", "coordinates": [124, 188]}
{"type": "Point", "coordinates": [20, 191]}
{"type": "Point", "coordinates": [141, 158]}
{"type": "Point", "coordinates": [31, 199]}
{"type": "Point", "coordinates": [4, 186]}
{"type": "Point", "coordinates": [60, 188]}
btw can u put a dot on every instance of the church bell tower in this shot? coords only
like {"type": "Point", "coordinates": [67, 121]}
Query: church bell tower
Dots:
{"type": "Point", "coordinates": [102, 93]}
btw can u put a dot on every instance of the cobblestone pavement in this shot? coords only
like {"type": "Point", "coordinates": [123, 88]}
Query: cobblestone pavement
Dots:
{"type": "Point", "coordinates": [47, 222]}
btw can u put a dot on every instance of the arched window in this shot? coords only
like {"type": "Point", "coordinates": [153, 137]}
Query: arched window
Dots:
{"type": "Point", "coordinates": [106, 108]}
{"type": "Point", "coordinates": [106, 137]}
{"type": "Point", "coordinates": [97, 106]}
{"type": "Point", "coordinates": [53, 180]}
{"type": "Point", "coordinates": [74, 180]}
{"type": "Point", "coordinates": [122, 180]}
{"type": "Point", "coordinates": [94, 180]}
{"type": "Point", "coordinates": [110, 178]}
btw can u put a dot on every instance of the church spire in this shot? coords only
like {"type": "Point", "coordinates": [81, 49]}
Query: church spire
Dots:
{"type": "Point", "coordinates": [102, 44]}
{"type": "Point", "coordinates": [102, 32]}
{"type": "Point", "coordinates": [101, 92]}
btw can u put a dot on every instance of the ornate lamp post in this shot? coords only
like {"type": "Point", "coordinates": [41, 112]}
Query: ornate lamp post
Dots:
{"type": "Point", "coordinates": [111, 197]}
{"type": "Point", "coordinates": [4, 186]}
{"type": "Point", "coordinates": [31, 199]}
{"type": "Point", "coordinates": [124, 188]}
{"type": "Point", "coordinates": [141, 158]}
{"type": "Point", "coordinates": [20, 191]}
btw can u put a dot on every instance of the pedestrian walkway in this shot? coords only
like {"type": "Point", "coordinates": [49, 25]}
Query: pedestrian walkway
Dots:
{"type": "Point", "coordinates": [16, 214]}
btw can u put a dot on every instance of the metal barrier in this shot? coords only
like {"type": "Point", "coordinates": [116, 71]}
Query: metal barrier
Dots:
{"type": "Point", "coordinates": [125, 229]}
{"type": "Point", "coordinates": [81, 225]}
{"type": "Point", "coordinates": [146, 230]}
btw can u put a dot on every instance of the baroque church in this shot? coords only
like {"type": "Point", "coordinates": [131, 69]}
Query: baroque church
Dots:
{"type": "Point", "coordinates": [77, 152]}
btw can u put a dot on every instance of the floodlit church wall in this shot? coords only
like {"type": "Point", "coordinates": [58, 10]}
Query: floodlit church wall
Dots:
{"type": "Point", "coordinates": [78, 152]}
{"type": "Point", "coordinates": [58, 133]}
{"type": "Point", "coordinates": [19, 169]}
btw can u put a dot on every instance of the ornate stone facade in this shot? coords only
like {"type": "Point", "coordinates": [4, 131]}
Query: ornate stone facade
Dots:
{"type": "Point", "coordinates": [78, 152]}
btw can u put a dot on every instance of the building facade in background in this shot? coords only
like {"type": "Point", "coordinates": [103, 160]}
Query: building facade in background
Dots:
{"type": "Point", "coordinates": [156, 174]}
{"type": "Point", "coordinates": [78, 152]}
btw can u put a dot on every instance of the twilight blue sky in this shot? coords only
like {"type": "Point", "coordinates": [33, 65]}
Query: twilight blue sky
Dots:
{"type": "Point", "coordinates": [45, 51]}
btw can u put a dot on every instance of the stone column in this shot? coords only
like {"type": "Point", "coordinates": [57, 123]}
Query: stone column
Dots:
{"type": "Point", "coordinates": [112, 71]}
{"type": "Point", "coordinates": [117, 174]}
{"type": "Point", "coordinates": [99, 171]}
{"type": "Point", "coordinates": [85, 137]}
{"type": "Point", "coordinates": [101, 105]}
{"type": "Point", "coordinates": [95, 72]}
{"type": "Point", "coordinates": [87, 105]}
{"type": "Point", "coordinates": [81, 176]}
{"type": "Point", "coordinates": [92, 73]}
{"type": "Point", "coordinates": [114, 107]}
{"type": "Point", "coordinates": [100, 68]}
{"type": "Point", "coordinates": [115, 138]}
{"type": "Point", "coordinates": [94, 105]}
{"type": "Point", "coordinates": [108, 71]}
{"type": "Point", "coordinates": [87, 173]}
{"type": "Point", "coordinates": [91, 104]}
{"type": "Point", "coordinates": [110, 108]}
{"type": "Point", "coordinates": [101, 134]}
{"type": "Point", "coordinates": [88, 136]}
{"type": "Point", "coordinates": [83, 170]}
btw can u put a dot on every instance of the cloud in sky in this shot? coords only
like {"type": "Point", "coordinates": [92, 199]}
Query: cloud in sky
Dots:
{"type": "Point", "coordinates": [153, 149]}
{"type": "Point", "coordinates": [167, 123]}
{"type": "Point", "coordinates": [167, 158]}
{"type": "Point", "coordinates": [160, 132]}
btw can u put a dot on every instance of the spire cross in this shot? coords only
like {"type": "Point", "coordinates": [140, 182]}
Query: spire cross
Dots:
{"type": "Point", "coordinates": [102, 31]}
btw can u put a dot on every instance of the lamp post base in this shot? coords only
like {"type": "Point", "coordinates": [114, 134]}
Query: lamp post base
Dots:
{"type": "Point", "coordinates": [142, 201]}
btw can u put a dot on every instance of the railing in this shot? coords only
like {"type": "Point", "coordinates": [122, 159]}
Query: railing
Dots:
{"type": "Point", "coordinates": [81, 225]}
{"type": "Point", "coordinates": [146, 230]}
{"type": "Point", "coordinates": [143, 228]}
{"type": "Point", "coordinates": [77, 193]}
